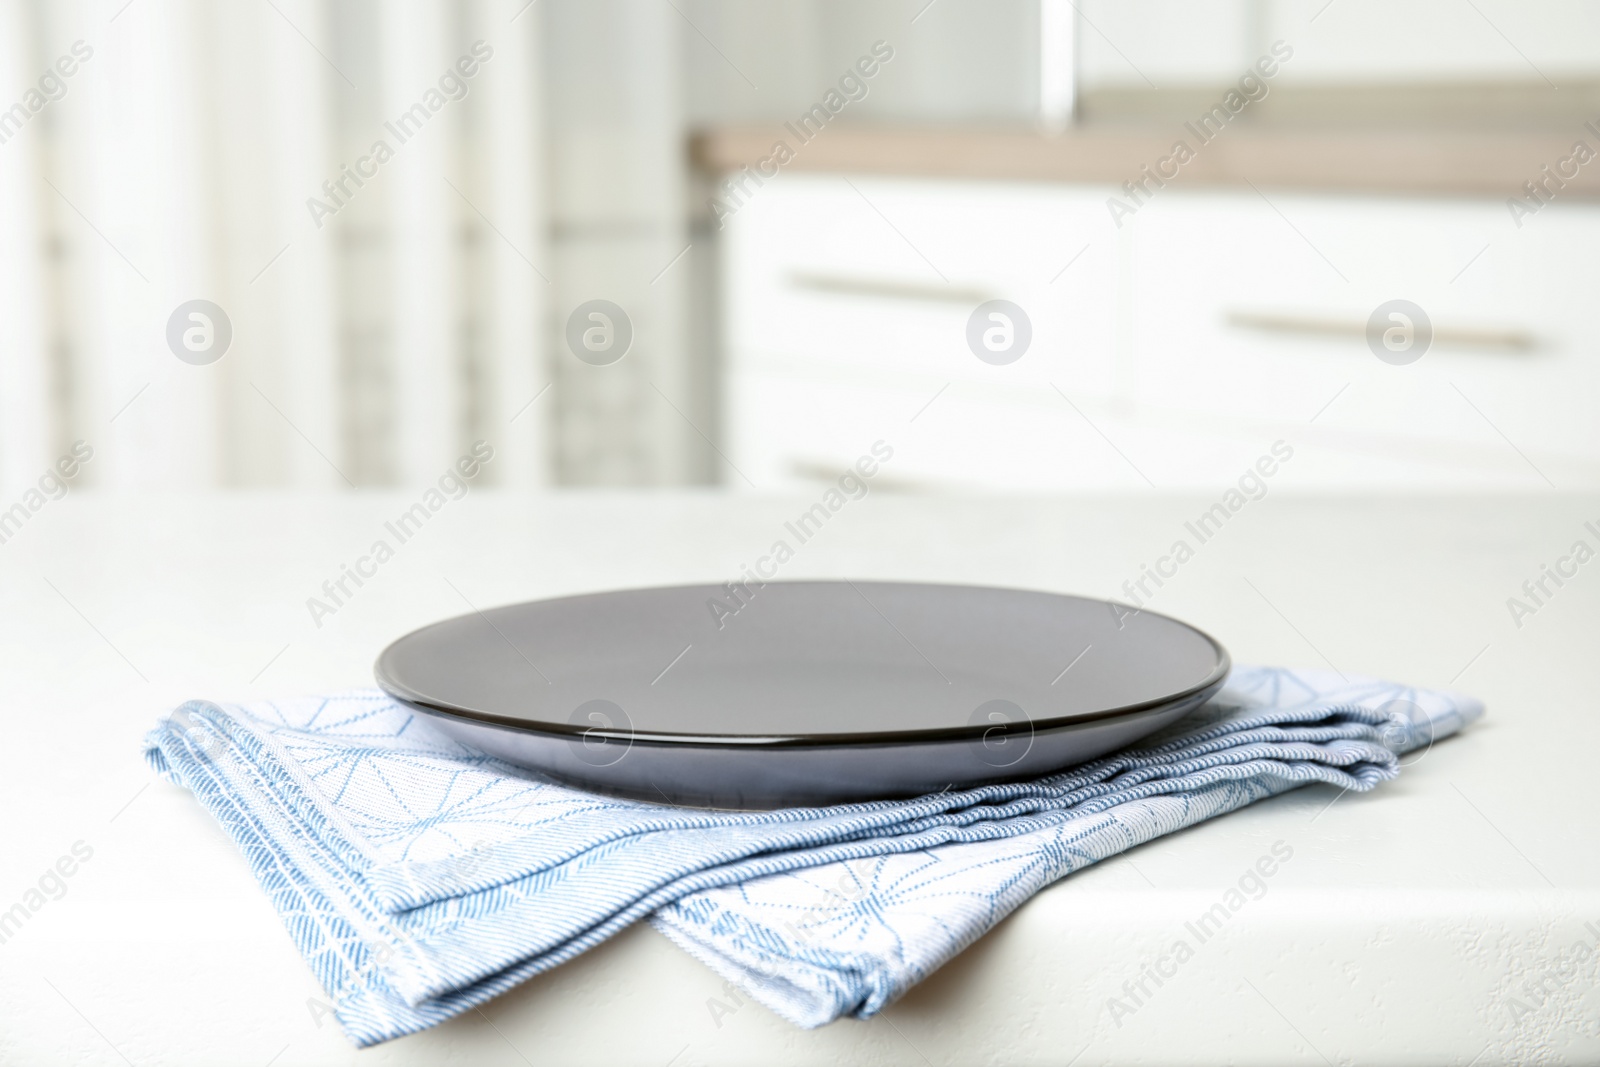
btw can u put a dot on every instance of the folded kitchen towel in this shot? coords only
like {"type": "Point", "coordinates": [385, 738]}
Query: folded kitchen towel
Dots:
{"type": "Point", "coordinates": [420, 878]}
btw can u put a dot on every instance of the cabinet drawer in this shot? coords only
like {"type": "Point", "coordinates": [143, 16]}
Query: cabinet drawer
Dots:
{"type": "Point", "coordinates": [1186, 340]}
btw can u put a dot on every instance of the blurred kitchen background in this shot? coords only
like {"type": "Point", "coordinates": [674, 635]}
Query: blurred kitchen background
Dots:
{"type": "Point", "coordinates": [789, 309]}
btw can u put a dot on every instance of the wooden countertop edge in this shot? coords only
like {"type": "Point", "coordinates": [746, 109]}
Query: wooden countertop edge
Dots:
{"type": "Point", "coordinates": [1479, 164]}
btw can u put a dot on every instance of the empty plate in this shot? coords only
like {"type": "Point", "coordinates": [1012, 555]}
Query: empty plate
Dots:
{"type": "Point", "coordinates": [801, 693]}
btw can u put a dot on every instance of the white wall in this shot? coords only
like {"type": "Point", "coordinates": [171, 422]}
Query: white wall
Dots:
{"type": "Point", "coordinates": [1172, 43]}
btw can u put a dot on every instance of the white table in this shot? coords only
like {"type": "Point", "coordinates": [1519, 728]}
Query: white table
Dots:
{"type": "Point", "coordinates": [1399, 930]}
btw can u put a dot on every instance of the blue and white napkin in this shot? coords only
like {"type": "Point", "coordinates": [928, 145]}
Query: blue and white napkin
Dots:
{"type": "Point", "coordinates": [420, 878]}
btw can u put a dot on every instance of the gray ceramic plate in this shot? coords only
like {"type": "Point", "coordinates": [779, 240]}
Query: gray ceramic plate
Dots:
{"type": "Point", "coordinates": [798, 693]}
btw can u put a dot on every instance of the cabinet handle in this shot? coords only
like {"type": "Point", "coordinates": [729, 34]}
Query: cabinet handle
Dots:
{"type": "Point", "coordinates": [1506, 339]}
{"type": "Point", "coordinates": [887, 289]}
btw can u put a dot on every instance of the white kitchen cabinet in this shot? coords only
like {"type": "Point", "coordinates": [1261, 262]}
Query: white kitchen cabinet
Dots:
{"type": "Point", "coordinates": [1173, 350]}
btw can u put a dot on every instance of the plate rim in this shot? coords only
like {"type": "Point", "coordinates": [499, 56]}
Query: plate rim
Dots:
{"type": "Point", "coordinates": [570, 731]}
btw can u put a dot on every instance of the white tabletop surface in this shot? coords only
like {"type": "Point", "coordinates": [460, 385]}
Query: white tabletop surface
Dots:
{"type": "Point", "coordinates": [1405, 929]}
